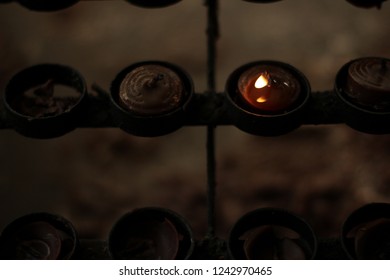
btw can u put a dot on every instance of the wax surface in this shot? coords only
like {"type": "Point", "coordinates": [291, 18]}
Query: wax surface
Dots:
{"type": "Point", "coordinates": [151, 89]}
{"type": "Point", "coordinates": [368, 83]}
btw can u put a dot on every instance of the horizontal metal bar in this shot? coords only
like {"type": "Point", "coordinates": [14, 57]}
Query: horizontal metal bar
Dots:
{"type": "Point", "coordinates": [323, 108]}
{"type": "Point", "coordinates": [205, 109]}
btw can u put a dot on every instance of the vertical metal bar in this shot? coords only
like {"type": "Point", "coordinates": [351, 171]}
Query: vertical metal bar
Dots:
{"type": "Point", "coordinates": [211, 180]}
{"type": "Point", "coordinates": [212, 36]}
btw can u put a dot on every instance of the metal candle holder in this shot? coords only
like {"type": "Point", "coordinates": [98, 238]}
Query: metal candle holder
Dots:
{"type": "Point", "coordinates": [272, 233]}
{"type": "Point", "coordinates": [354, 112]}
{"type": "Point", "coordinates": [366, 232]}
{"type": "Point", "coordinates": [151, 233]}
{"type": "Point", "coordinates": [57, 118]}
{"type": "Point", "coordinates": [39, 236]}
{"type": "Point", "coordinates": [151, 124]}
{"type": "Point", "coordinates": [265, 123]}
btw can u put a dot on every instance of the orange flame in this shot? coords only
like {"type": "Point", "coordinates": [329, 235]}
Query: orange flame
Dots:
{"type": "Point", "coordinates": [261, 82]}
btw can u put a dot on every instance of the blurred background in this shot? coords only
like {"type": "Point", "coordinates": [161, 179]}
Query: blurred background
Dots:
{"type": "Point", "coordinates": [93, 176]}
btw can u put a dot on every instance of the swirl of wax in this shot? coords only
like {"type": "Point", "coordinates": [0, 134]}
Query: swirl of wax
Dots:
{"type": "Point", "coordinates": [151, 90]}
{"type": "Point", "coordinates": [281, 93]}
{"type": "Point", "coordinates": [368, 82]}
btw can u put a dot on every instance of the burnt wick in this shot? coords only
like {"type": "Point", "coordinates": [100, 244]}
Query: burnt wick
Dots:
{"type": "Point", "coordinates": [153, 83]}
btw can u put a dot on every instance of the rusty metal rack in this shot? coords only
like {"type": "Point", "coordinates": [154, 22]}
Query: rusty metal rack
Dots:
{"type": "Point", "coordinates": [211, 109]}
{"type": "Point", "coordinates": [206, 109]}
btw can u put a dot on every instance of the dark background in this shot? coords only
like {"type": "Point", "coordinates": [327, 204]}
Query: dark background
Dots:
{"type": "Point", "coordinates": [93, 176]}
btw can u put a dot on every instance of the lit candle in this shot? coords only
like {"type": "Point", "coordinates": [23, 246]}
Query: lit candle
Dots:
{"type": "Point", "coordinates": [151, 89]}
{"type": "Point", "coordinates": [269, 88]}
{"type": "Point", "coordinates": [368, 83]}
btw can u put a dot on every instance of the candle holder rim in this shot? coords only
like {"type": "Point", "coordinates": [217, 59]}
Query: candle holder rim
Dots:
{"type": "Point", "coordinates": [141, 3]}
{"type": "Point", "coordinates": [152, 209]}
{"type": "Point", "coordinates": [26, 71]}
{"type": "Point", "coordinates": [303, 81]}
{"type": "Point", "coordinates": [266, 211]}
{"type": "Point", "coordinates": [47, 6]}
{"type": "Point", "coordinates": [262, 1]}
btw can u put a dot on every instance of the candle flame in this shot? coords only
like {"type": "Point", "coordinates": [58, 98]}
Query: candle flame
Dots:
{"type": "Point", "coordinates": [262, 81]}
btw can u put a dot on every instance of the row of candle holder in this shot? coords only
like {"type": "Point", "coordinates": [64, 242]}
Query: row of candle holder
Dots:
{"type": "Point", "coordinates": [50, 5]}
{"type": "Point", "coordinates": [154, 98]}
{"type": "Point", "coordinates": [160, 233]}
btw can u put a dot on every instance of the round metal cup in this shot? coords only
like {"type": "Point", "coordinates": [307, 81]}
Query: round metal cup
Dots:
{"type": "Point", "coordinates": [153, 3]}
{"type": "Point", "coordinates": [16, 234]}
{"type": "Point", "coordinates": [136, 233]}
{"type": "Point", "coordinates": [356, 116]}
{"type": "Point", "coordinates": [272, 217]}
{"type": "Point", "coordinates": [265, 123]}
{"type": "Point", "coordinates": [47, 5]}
{"type": "Point", "coordinates": [151, 125]}
{"type": "Point", "coordinates": [44, 126]}
{"type": "Point", "coordinates": [366, 232]}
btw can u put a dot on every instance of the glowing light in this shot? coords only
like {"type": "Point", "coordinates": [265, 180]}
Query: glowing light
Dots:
{"type": "Point", "coordinates": [261, 99]}
{"type": "Point", "coordinates": [262, 81]}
